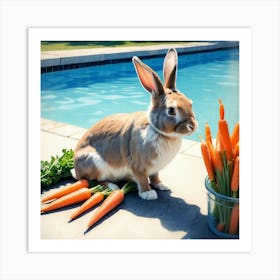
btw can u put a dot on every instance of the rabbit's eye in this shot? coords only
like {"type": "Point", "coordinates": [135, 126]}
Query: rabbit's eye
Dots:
{"type": "Point", "coordinates": [171, 111]}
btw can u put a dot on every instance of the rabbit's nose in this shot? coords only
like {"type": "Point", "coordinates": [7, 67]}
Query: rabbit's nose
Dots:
{"type": "Point", "coordinates": [192, 126]}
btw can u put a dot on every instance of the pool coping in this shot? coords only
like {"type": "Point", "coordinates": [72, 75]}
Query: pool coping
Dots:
{"type": "Point", "coordinates": [71, 59]}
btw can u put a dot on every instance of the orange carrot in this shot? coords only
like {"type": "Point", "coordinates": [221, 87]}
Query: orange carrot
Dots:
{"type": "Point", "coordinates": [222, 110]}
{"type": "Point", "coordinates": [236, 150]}
{"type": "Point", "coordinates": [234, 220]}
{"type": "Point", "coordinates": [220, 226]}
{"type": "Point", "coordinates": [219, 145]}
{"type": "Point", "coordinates": [207, 161]}
{"type": "Point", "coordinates": [225, 138]}
{"type": "Point", "coordinates": [211, 150]}
{"type": "Point", "coordinates": [111, 202]}
{"type": "Point", "coordinates": [235, 176]}
{"type": "Point", "coordinates": [208, 133]}
{"type": "Point", "coordinates": [235, 135]}
{"type": "Point", "coordinates": [83, 183]}
{"type": "Point", "coordinates": [218, 162]}
{"type": "Point", "coordinates": [209, 142]}
{"type": "Point", "coordinates": [93, 200]}
{"type": "Point", "coordinates": [68, 199]}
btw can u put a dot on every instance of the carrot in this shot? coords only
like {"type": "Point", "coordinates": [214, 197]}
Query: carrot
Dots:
{"type": "Point", "coordinates": [225, 138]}
{"type": "Point", "coordinates": [220, 226]}
{"type": "Point", "coordinates": [68, 199]}
{"type": "Point", "coordinates": [93, 200]}
{"type": "Point", "coordinates": [222, 110]}
{"type": "Point", "coordinates": [235, 135]}
{"type": "Point", "coordinates": [83, 183]}
{"type": "Point", "coordinates": [219, 145]}
{"type": "Point", "coordinates": [111, 202]}
{"type": "Point", "coordinates": [209, 142]}
{"type": "Point", "coordinates": [207, 161]}
{"type": "Point", "coordinates": [235, 176]}
{"type": "Point", "coordinates": [215, 154]}
{"type": "Point", "coordinates": [218, 162]}
{"type": "Point", "coordinates": [71, 198]}
{"type": "Point", "coordinates": [234, 220]}
{"type": "Point", "coordinates": [208, 133]}
{"type": "Point", "coordinates": [236, 150]}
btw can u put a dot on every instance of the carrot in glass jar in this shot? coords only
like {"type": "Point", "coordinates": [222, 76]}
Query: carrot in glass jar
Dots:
{"type": "Point", "coordinates": [207, 161]}
{"type": "Point", "coordinates": [225, 138]}
{"type": "Point", "coordinates": [234, 220]}
{"type": "Point", "coordinates": [235, 176]}
{"type": "Point", "coordinates": [235, 135]}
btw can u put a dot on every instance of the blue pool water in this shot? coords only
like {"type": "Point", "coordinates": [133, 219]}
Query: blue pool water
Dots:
{"type": "Point", "coordinates": [83, 96]}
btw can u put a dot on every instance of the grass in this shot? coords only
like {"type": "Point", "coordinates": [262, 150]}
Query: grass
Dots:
{"type": "Point", "coordinates": [71, 45]}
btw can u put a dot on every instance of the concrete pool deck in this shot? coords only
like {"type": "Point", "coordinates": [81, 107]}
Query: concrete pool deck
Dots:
{"type": "Point", "coordinates": [52, 60]}
{"type": "Point", "coordinates": [179, 214]}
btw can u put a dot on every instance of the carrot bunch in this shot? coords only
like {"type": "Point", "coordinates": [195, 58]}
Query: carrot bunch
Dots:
{"type": "Point", "coordinates": [80, 192]}
{"type": "Point", "coordinates": [222, 164]}
{"type": "Point", "coordinates": [69, 195]}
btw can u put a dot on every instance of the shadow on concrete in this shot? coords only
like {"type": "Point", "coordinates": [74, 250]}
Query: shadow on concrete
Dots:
{"type": "Point", "coordinates": [173, 212]}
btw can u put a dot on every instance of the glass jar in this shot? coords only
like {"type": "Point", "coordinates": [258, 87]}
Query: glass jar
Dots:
{"type": "Point", "coordinates": [223, 213]}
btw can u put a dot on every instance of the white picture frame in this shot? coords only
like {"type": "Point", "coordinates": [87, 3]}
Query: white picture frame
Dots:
{"type": "Point", "coordinates": [242, 35]}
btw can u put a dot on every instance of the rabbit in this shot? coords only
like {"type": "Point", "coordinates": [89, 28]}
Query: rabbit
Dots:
{"type": "Point", "coordinates": [136, 146]}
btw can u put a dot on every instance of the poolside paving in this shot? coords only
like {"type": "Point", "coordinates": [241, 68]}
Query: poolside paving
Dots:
{"type": "Point", "coordinates": [177, 214]}
{"type": "Point", "coordinates": [66, 57]}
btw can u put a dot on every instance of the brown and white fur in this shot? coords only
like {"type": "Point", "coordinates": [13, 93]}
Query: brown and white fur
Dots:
{"type": "Point", "coordinates": [138, 145]}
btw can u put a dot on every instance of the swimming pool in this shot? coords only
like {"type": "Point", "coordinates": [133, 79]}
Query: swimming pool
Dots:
{"type": "Point", "coordinates": [83, 96]}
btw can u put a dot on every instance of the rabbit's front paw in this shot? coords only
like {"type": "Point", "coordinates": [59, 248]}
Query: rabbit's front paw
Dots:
{"type": "Point", "coordinates": [113, 186]}
{"type": "Point", "coordinates": [162, 187]}
{"type": "Point", "coordinates": [148, 195]}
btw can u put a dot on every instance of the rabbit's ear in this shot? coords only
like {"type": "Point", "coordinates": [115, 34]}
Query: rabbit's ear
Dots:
{"type": "Point", "coordinates": [148, 78]}
{"type": "Point", "coordinates": [170, 69]}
